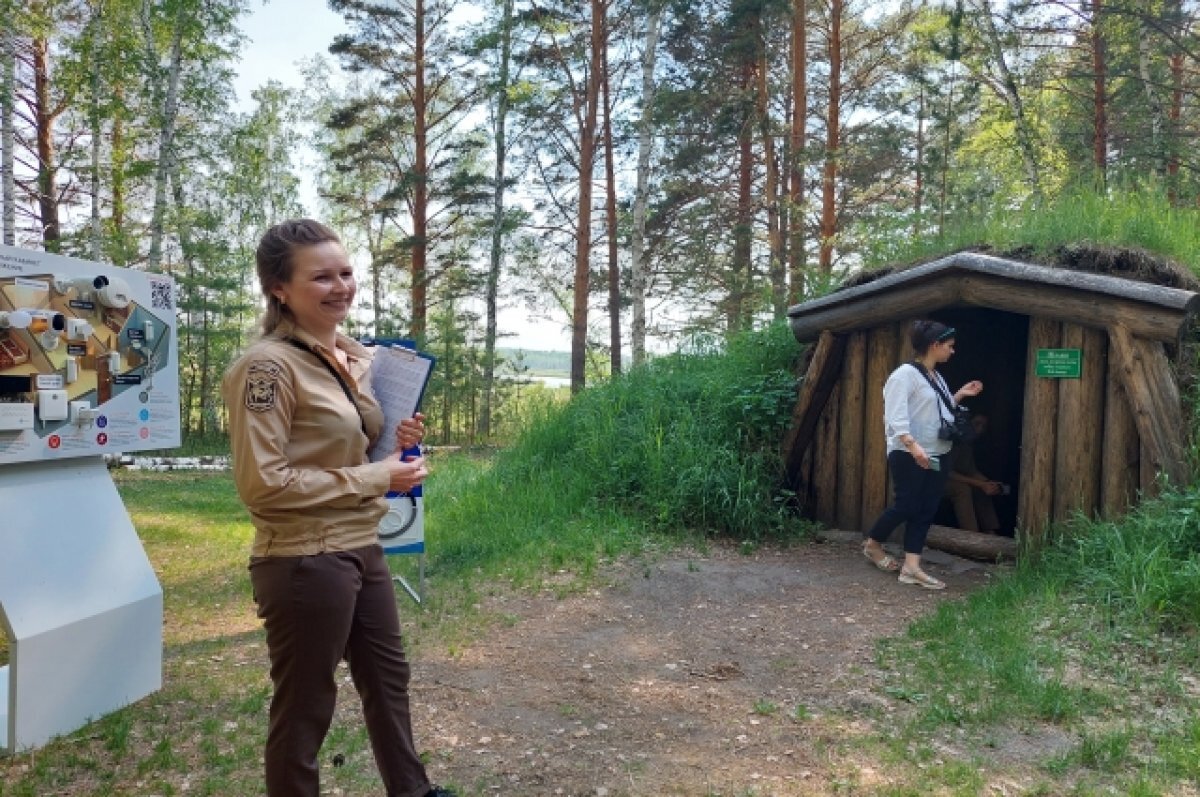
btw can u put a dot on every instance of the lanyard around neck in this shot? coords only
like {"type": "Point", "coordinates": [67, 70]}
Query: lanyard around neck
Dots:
{"type": "Point", "coordinates": [933, 383]}
{"type": "Point", "coordinates": [336, 375]}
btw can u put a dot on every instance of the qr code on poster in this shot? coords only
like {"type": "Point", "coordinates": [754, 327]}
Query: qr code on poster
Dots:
{"type": "Point", "coordinates": [162, 294]}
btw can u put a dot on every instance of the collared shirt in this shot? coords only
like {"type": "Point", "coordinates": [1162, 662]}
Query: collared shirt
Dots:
{"type": "Point", "coordinates": [911, 406]}
{"type": "Point", "coordinates": [299, 453]}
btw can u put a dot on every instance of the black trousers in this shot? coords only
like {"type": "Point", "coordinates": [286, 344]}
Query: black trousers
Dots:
{"type": "Point", "coordinates": [918, 491]}
{"type": "Point", "coordinates": [318, 610]}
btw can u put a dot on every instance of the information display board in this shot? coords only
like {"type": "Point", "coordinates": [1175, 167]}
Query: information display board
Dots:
{"type": "Point", "coordinates": [88, 359]}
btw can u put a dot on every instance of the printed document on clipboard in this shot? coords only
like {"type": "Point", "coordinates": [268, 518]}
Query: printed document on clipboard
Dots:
{"type": "Point", "coordinates": [398, 378]}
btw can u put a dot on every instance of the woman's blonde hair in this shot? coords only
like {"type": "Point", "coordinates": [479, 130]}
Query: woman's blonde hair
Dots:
{"type": "Point", "coordinates": [273, 259]}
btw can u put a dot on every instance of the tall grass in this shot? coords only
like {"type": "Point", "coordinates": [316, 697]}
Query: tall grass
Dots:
{"type": "Point", "coordinates": [1095, 634]}
{"type": "Point", "coordinates": [1143, 569]}
{"type": "Point", "coordinates": [1131, 216]}
{"type": "Point", "coordinates": [688, 441]}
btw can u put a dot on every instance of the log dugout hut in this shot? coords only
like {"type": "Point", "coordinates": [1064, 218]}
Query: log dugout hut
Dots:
{"type": "Point", "coordinates": [1090, 444]}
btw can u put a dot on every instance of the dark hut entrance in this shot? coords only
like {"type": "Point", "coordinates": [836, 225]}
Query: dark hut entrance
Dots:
{"type": "Point", "coordinates": [1091, 443]}
{"type": "Point", "coordinates": [991, 346]}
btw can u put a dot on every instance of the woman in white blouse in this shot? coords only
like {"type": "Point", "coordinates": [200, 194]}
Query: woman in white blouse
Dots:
{"type": "Point", "coordinates": [913, 414]}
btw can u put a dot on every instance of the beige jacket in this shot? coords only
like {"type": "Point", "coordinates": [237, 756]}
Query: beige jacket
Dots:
{"type": "Point", "coordinates": [299, 452]}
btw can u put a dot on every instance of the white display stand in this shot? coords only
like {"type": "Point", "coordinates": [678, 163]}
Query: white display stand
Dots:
{"type": "Point", "coordinates": [81, 605]}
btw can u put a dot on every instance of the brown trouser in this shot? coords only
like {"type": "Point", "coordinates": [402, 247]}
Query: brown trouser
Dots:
{"type": "Point", "coordinates": [317, 610]}
{"type": "Point", "coordinates": [973, 508]}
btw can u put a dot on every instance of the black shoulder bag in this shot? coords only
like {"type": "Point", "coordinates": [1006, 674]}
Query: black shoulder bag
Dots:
{"type": "Point", "coordinates": [960, 430]}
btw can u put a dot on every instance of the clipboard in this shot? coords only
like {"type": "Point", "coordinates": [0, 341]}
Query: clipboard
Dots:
{"type": "Point", "coordinates": [399, 375]}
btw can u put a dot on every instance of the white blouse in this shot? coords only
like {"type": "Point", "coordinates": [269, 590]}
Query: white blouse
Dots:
{"type": "Point", "coordinates": [911, 406]}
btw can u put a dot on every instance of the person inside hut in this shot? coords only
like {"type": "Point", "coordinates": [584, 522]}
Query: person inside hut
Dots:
{"type": "Point", "coordinates": [969, 490]}
{"type": "Point", "coordinates": [916, 401]}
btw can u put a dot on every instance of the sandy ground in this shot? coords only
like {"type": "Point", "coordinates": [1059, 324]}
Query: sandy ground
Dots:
{"type": "Point", "coordinates": [715, 673]}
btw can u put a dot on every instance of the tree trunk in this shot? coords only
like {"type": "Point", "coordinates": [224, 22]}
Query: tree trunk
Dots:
{"type": "Point", "coordinates": [743, 229]}
{"type": "Point", "coordinates": [166, 139]}
{"type": "Point", "coordinates": [832, 139]}
{"type": "Point", "coordinates": [378, 294]}
{"type": "Point", "coordinates": [1146, 50]}
{"type": "Point", "coordinates": [496, 257]}
{"type": "Point", "coordinates": [946, 136]}
{"type": "Point", "coordinates": [583, 228]}
{"type": "Point", "coordinates": [1174, 14]}
{"type": "Point", "coordinates": [610, 213]}
{"type": "Point", "coordinates": [8, 194]}
{"type": "Point", "coordinates": [420, 212]}
{"type": "Point", "coordinates": [1100, 91]}
{"type": "Point", "coordinates": [200, 379]}
{"type": "Point", "coordinates": [777, 267]}
{"type": "Point", "coordinates": [44, 115]}
{"type": "Point", "coordinates": [118, 157]}
{"type": "Point", "coordinates": [1011, 96]}
{"type": "Point", "coordinates": [797, 264]}
{"type": "Point", "coordinates": [96, 128]}
{"type": "Point", "coordinates": [919, 181]}
{"type": "Point", "coordinates": [641, 200]}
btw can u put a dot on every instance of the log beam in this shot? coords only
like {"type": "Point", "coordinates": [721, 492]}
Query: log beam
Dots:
{"type": "Point", "coordinates": [1080, 428]}
{"type": "Point", "coordinates": [1120, 460]}
{"type": "Point", "coordinates": [850, 433]}
{"type": "Point", "coordinates": [1036, 495]}
{"type": "Point", "coordinates": [883, 352]}
{"type": "Point", "coordinates": [825, 459]}
{"type": "Point", "coordinates": [972, 544]}
{"type": "Point", "coordinates": [1154, 399]}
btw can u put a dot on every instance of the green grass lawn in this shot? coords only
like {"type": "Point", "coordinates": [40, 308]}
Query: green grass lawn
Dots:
{"type": "Point", "coordinates": [202, 734]}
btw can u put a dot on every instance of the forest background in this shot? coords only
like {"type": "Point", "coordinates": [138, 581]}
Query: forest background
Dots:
{"type": "Point", "coordinates": [659, 173]}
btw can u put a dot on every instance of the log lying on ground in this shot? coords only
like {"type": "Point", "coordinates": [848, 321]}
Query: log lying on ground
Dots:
{"type": "Point", "coordinates": [972, 544]}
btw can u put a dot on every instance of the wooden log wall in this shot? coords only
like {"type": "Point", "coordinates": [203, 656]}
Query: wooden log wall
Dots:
{"type": "Point", "coordinates": [1035, 501]}
{"type": "Point", "coordinates": [1094, 444]}
{"type": "Point", "coordinates": [1121, 453]}
{"type": "Point", "coordinates": [851, 433]}
{"type": "Point", "coordinates": [1080, 413]}
{"type": "Point", "coordinates": [1154, 400]}
{"type": "Point", "coordinates": [825, 459]}
{"type": "Point", "coordinates": [842, 472]}
{"type": "Point", "coordinates": [883, 352]}
{"type": "Point", "coordinates": [824, 368]}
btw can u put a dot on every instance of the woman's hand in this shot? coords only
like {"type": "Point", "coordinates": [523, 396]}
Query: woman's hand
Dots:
{"type": "Point", "coordinates": [410, 432]}
{"type": "Point", "coordinates": [972, 388]}
{"type": "Point", "coordinates": [405, 472]}
{"type": "Point", "coordinates": [919, 455]}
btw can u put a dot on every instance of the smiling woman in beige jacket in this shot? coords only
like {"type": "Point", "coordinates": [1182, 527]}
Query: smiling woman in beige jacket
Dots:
{"type": "Point", "coordinates": [301, 420]}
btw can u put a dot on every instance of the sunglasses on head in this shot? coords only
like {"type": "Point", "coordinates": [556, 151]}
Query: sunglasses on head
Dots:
{"type": "Point", "coordinates": [949, 333]}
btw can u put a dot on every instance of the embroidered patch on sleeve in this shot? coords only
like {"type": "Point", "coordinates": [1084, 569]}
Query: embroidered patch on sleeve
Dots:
{"type": "Point", "coordinates": [262, 380]}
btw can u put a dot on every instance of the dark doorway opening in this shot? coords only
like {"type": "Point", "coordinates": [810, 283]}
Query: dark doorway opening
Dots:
{"type": "Point", "coordinates": [991, 346]}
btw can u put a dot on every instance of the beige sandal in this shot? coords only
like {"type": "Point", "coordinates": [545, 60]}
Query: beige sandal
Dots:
{"type": "Point", "coordinates": [920, 578]}
{"type": "Point", "coordinates": [887, 563]}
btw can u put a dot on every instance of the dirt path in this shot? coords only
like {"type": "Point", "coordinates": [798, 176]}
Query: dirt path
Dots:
{"type": "Point", "coordinates": [703, 674]}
